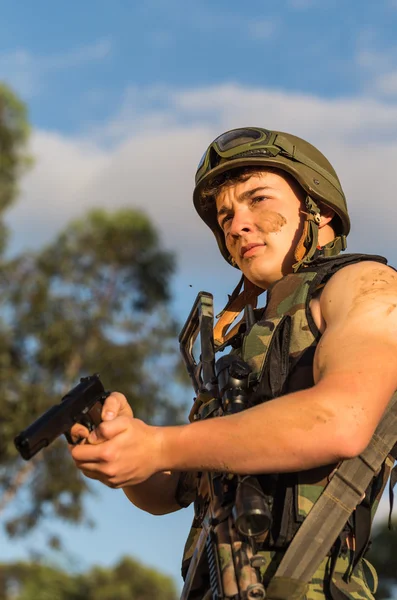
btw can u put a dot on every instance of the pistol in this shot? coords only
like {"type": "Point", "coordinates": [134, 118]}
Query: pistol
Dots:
{"type": "Point", "coordinates": [82, 404]}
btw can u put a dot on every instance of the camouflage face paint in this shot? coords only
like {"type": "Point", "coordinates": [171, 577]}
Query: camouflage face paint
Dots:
{"type": "Point", "coordinates": [270, 221]}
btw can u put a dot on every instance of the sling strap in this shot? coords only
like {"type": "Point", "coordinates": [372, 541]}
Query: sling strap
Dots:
{"type": "Point", "coordinates": [327, 518]}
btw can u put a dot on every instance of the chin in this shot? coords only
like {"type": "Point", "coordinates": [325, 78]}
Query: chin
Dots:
{"type": "Point", "coordinates": [262, 272]}
{"type": "Point", "coordinates": [263, 279]}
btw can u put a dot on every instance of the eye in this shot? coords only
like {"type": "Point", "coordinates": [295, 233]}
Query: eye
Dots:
{"type": "Point", "coordinates": [224, 220]}
{"type": "Point", "coordinates": [257, 199]}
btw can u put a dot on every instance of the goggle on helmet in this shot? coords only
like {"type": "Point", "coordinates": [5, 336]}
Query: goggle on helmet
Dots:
{"type": "Point", "coordinates": [254, 146]}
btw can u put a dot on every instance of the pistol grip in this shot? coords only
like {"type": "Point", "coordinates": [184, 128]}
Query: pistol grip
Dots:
{"type": "Point", "coordinates": [91, 418]}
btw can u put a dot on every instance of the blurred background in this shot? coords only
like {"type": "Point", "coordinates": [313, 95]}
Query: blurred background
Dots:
{"type": "Point", "coordinates": [105, 111]}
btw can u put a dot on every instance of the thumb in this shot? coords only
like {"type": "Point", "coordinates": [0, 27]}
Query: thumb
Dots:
{"type": "Point", "coordinates": [108, 430]}
{"type": "Point", "coordinates": [114, 406]}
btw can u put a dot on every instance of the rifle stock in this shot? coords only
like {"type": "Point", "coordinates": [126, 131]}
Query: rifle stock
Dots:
{"type": "Point", "coordinates": [225, 557]}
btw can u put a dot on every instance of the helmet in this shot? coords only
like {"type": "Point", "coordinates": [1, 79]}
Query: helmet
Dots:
{"type": "Point", "coordinates": [254, 146]}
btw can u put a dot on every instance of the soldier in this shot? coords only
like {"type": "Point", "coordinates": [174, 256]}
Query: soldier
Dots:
{"type": "Point", "coordinates": [321, 351]}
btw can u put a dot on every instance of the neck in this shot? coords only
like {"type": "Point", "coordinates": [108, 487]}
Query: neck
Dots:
{"type": "Point", "coordinates": [325, 235]}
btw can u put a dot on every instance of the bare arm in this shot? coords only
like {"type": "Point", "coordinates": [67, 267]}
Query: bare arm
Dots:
{"type": "Point", "coordinates": [156, 495]}
{"type": "Point", "coordinates": [355, 375]}
{"type": "Point", "coordinates": [355, 371]}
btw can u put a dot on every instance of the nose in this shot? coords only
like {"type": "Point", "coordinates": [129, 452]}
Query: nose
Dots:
{"type": "Point", "coordinates": [241, 222]}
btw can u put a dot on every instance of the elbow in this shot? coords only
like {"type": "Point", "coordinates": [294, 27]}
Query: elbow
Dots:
{"type": "Point", "coordinates": [158, 511]}
{"type": "Point", "coordinates": [352, 442]}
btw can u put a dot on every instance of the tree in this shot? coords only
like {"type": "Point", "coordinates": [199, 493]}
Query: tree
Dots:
{"type": "Point", "coordinates": [128, 580]}
{"type": "Point", "coordinates": [14, 157]}
{"type": "Point", "coordinates": [95, 300]}
{"type": "Point", "coordinates": [383, 555]}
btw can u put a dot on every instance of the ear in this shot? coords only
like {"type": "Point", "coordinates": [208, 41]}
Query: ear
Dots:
{"type": "Point", "coordinates": [326, 215]}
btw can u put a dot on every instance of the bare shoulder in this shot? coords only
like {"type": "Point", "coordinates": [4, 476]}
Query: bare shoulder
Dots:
{"type": "Point", "coordinates": [363, 290]}
{"type": "Point", "coordinates": [355, 357]}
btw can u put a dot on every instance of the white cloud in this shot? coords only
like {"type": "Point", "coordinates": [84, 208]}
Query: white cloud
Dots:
{"type": "Point", "coordinates": [152, 158]}
{"type": "Point", "coordinates": [343, 121]}
{"type": "Point", "coordinates": [25, 71]}
{"type": "Point", "coordinates": [378, 69]}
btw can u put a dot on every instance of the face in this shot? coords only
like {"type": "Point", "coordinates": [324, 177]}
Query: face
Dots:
{"type": "Point", "coordinates": [262, 220]}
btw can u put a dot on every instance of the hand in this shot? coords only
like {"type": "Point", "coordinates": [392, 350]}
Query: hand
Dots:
{"type": "Point", "coordinates": [115, 405]}
{"type": "Point", "coordinates": [122, 450]}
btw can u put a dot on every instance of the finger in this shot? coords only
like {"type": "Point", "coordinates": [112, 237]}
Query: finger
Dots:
{"type": "Point", "coordinates": [89, 474]}
{"type": "Point", "coordinates": [107, 430]}
{"type": "Point", "coordinates": [77, 442]}
{"type": "Point", "coordinates": [79, 432]}
{"type": "Point", "coordinates": [103, 479]}
{"type": "Point", "coordinates": [86, 453]}
{"type": "Point", "coordinates": [116, 404]}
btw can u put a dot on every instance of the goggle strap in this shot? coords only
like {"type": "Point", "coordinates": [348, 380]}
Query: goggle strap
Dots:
{"type": "Point", "coordinates": [275, 142]}
{"type": "Point", "coordinates": [299, 156]}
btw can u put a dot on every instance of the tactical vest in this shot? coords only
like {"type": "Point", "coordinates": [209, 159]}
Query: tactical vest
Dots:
{"type": "Point", "coordinates": [280, 349]}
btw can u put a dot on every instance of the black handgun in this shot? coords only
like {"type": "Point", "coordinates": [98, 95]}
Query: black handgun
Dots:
{"type": "Point", "coordinates": [83, 404]}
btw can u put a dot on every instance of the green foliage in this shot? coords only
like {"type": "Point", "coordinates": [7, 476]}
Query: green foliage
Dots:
{"type": "Point", "coordinates": [383, 555]}
{"type": "Point", "coordinates": [95, 300]}
{"type": "Point", "coordinates": [128, 580]}
{"type": "Point", "coordinates": [14, 159]}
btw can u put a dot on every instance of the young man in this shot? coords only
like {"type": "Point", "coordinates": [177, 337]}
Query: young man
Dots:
{"type": "Point", "coordinates": [322, 355]}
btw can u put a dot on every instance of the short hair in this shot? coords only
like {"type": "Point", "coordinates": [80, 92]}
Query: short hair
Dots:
{"type": "Point", "coordinates": [240, 174]}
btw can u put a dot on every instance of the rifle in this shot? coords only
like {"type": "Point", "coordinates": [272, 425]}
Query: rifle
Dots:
{"type": "Point", "coordinates": [225, 558]}
{"type": "Point", "coordinates": [82, 404]}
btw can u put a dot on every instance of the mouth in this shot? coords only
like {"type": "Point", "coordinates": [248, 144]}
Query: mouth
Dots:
{"type": "Point", "coordinates": [249, 249]}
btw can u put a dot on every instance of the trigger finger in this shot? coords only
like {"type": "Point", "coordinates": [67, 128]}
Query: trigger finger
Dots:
{"type": "Point", "coordinates": [79, 432]}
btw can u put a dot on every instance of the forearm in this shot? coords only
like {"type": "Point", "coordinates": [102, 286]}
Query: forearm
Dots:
{"type": "Point", "coordinates": [299, 431]}
{"type": "Point", "coordinates": [156, 495]}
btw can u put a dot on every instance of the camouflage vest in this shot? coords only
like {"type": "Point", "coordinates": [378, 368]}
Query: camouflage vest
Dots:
{"type": "Point", "coordinates": [280, 349]}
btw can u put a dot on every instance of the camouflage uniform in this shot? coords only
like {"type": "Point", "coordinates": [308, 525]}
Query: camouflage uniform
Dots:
{"type": "Point", "coordinates": [280, 349]}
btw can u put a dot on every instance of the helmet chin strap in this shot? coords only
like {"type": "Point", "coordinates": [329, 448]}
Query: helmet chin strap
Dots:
{"type": "Point", "coordinates": [307, 248]}
{"type": "Point", "coordinates": [307, 245]}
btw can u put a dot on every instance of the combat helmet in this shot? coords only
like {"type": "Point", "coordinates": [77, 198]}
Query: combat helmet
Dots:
{"type": "Point", "coordinates": [254, 146]}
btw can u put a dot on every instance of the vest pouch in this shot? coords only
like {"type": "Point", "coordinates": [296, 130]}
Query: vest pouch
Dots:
{"type": "Point", "coordinates": [370, 576]}
{"type": "Point", "coordinates": [362, 583]}
{"type": "Point", "coordinates": [310, 486]}
{"type": "Point", "coordinates": [273, 374]}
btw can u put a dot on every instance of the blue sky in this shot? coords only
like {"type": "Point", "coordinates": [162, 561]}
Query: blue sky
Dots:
{"type": "Point", "coordinates": [73, 63]}
{"type": "Point", "coordinates": [125, 96]}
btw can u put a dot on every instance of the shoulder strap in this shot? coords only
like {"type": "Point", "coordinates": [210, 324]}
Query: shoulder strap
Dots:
{"type": "Point", "coordinates": [330, 513]}
{"type": "Point", "coordinates": [326, 266]}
